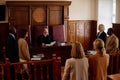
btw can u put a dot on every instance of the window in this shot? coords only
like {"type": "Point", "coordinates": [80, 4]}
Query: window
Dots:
{"type": "Point", "coordinates": [106, 12]}
{"type": "Point", "coordinates": [114, 11]}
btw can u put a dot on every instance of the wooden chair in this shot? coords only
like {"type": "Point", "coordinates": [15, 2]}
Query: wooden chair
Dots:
{"type": "Point", "coordinates": [49, 69]}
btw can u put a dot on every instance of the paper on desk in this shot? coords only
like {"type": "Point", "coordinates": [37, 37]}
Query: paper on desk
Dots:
{"type": "Point", "coordinates": [35, 58]}
{"type": "Point", "coordinates": [51, 44]}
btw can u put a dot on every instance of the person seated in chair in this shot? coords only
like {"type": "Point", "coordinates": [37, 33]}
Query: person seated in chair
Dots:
{"type": "Point", "coordinates": [45, 38]}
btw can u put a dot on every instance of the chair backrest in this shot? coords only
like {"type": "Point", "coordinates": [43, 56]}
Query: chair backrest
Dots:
{"type": "Point", "coordinates": [36, 70]}
{"type": "Point", "coordinates": [58, 33]}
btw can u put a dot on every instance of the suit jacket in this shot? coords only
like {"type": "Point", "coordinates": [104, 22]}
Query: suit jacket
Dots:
{"type": "Point", "coordinates": [46, 40]}
{"type": "Point", "coordinates": [23, 49]}
{"type": "Point", "coordinates": [12, 49]}
{"type": "Point", "coordinates": [98, 67]}
{"type": "Point", "coordinates": [112, 43]}
{"type": "Point", "coordinates": [102, 36]}
{"type": "Point", "coordinates": [76, 69]}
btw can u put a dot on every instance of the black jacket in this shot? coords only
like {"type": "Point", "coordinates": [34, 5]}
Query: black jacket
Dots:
{"type": "Point", "coordinates": [102, 36]}
{"type": "Point", "coordinates": [12, 49]}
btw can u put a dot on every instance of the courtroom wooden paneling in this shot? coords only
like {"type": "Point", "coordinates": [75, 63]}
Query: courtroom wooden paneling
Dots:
{"type": "Point", "coordinates": [80, 32]}
{"type": "Point", "coordinates": [3, 38]}
{"type": "Point", "coordinates": [39, 12]}
{"type": "Point", "coordinates": [71, 31]}
{"type": "Point", "coordinates": [55, 15]}
{"type": "Point", "coordinates": [19, 14]}
{"type": "Point", "coordinates": [3, 33]}
{"type": "Point", "coordinates": [116, 27]}
{"type": "Point", "coordinates": [42, 13]}
{"type": "Point", "coordinates": [83, 31]}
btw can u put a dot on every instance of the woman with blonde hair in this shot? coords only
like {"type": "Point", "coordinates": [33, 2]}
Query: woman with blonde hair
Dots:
{"type": "Point", "coordinates": [76, 68]}
{"type": "Point", "coordinates": [101, 34]}
{"type": "Point", "coordinates": [98, 63]}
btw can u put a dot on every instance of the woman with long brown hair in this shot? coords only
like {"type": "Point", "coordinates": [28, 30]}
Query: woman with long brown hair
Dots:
{"type": "Point", "coordinates": [76, 68]}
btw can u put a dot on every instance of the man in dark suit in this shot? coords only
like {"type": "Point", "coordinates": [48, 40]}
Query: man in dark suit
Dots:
{"type": "Point", "coordinates": [12, 46]}
{"type": "Point", "coordinates": [101, 34]}
{"type": "Point", "coordinates": [45, 38]}
{"type": "Point", "coordinates": [12, 50]}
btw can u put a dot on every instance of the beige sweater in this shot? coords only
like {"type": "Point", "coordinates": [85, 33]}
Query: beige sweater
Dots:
{"type": "Point", "coordinates": [23, 49]}
{"type": "Point", "coordinates": [112, 43]}
{"type": "Point", "coordinates": [76, 69]}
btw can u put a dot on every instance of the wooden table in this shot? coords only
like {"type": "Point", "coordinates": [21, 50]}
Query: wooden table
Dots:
{"type": "Point", "coordinates": [63, 51]}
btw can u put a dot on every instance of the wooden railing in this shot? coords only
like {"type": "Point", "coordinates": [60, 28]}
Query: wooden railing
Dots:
{"type": "Point", "coordinates": [114, 63]}
{"type": "Point", "coordinates": [36, 70]}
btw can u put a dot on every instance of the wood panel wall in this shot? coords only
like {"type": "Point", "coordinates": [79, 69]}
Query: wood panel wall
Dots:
{"type": "Point", "coordinates": [83, 31]}
{"type": "Point", "coordinates": [116, 27]}
{"type": "Point", "coordinates": [3, 33]}
{"type": "Point", "coordinates": [38, 12]}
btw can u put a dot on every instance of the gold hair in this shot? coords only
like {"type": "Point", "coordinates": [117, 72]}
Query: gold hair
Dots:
{"type": "Point", "coordinates": [100, 46]}
{"type": "Point", "coordinates": [77, 50]}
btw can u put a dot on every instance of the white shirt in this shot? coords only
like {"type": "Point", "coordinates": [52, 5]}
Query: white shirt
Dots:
{"type": "Point", "coordinates": [12, 35]}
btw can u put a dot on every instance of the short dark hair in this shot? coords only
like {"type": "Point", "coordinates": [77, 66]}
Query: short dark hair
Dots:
{"type": "Point", "coordinates": [111, 30]}
{"type": "Point", "coordinates": [22, 33]}
{"type": "Point", "coordinates": [12, 29]}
